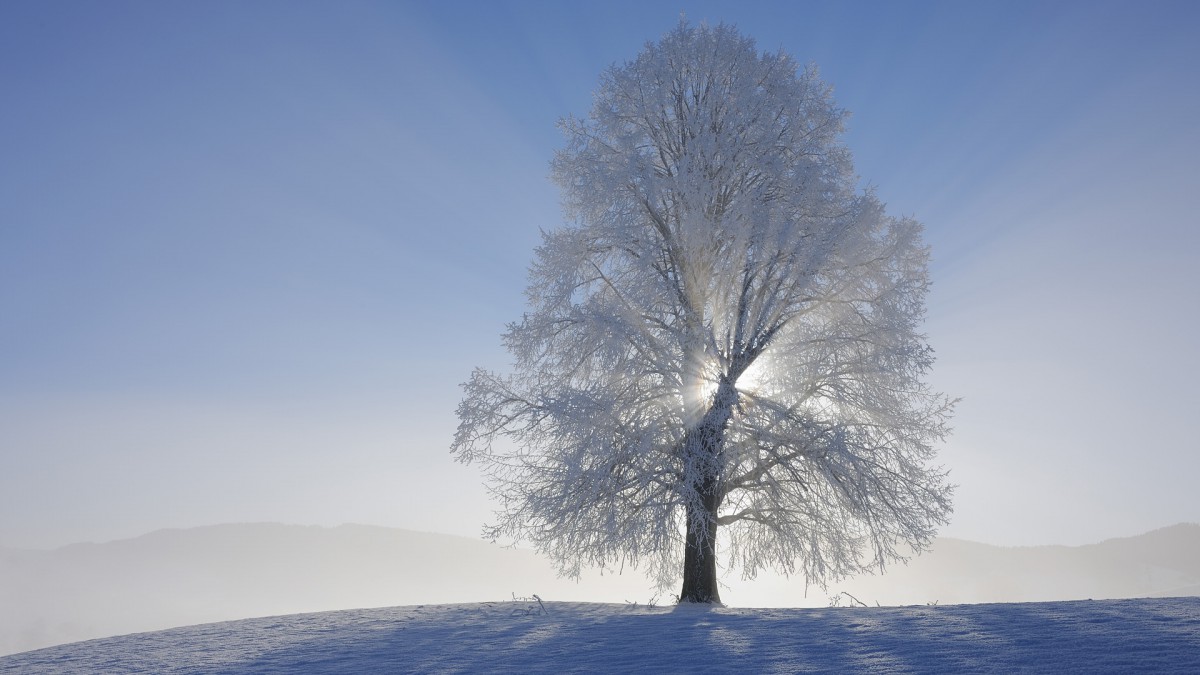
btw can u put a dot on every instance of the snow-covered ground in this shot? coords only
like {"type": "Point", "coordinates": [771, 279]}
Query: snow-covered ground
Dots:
{"type": "Point", "coordinates": [1149, 635]}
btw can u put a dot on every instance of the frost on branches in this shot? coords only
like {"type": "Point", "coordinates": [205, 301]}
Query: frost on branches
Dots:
{"type": "Point", "coordinates": [724, 340]}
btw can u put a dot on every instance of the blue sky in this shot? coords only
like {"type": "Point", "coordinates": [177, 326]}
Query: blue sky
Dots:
{"type": "Point", "coordinates": [249, 250]}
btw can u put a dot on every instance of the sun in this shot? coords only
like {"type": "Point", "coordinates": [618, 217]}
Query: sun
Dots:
{"type": "Point", "coordinates": [753, 379]}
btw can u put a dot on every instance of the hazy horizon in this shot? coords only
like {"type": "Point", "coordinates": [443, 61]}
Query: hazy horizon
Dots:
{"type": "Point", "coordinates": [249, 251]}
{"type": "Point", "coordinates": [522, 546]}
{"type": "Point", "coordinates": [225, 572]}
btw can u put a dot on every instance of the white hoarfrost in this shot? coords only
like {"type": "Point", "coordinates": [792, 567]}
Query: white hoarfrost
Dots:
{"type": "Point", "coordinates": [725, 336]}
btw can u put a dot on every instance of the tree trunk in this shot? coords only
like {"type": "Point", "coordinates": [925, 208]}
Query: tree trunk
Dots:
{"type": "Point", "coordinates": [700, 553]}
{"type": "Point", "coordinates": [704, 444]}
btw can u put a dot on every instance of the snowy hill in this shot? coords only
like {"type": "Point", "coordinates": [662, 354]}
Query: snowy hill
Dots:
{"type": "Point", "coordinates": [183, 577]}
{"type": "Point", "coordinates": [1117, 636]}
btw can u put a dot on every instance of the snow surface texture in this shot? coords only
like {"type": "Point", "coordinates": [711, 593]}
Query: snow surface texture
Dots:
{"type": "Point", "coordinates": [1156, 635]}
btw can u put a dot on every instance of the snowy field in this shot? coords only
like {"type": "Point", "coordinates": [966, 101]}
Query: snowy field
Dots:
{"type": "Point", "coordinates": [1120, 636]}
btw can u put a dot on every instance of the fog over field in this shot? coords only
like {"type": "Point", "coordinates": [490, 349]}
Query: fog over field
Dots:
{"type": "Point", "coordinates": [182, 577]}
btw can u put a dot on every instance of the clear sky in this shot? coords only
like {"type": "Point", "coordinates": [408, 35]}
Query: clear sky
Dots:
{"type": "Point", "coordinates": [248, 251]}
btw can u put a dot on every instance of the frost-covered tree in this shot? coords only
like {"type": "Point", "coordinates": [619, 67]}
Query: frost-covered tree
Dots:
{"type": "Point", "coordinates": [725, 338]}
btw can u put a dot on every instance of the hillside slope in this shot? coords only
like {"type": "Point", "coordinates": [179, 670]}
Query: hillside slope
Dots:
{"type": "Point", "coordinates": [1113, 636]}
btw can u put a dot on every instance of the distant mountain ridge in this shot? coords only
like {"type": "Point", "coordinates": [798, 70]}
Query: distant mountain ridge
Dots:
{"type": "Point", "coordinates": [1160, 563]}
{"type": "Point", "coordinates": [179, 577]}
{"type": "Point", "coordinates": [222, 572]}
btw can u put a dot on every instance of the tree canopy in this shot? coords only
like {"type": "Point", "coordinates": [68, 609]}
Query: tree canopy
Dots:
{"type": "Point", "coordinates": [724, 335]}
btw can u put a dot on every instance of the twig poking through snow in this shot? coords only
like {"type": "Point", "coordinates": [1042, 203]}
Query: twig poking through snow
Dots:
{"type": "Point", "coordinates": [835, 601]}
{"type": "Point", "coordinates": [528, 610]}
